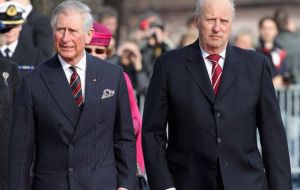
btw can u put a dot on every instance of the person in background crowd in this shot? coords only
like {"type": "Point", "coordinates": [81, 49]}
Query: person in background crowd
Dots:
{"type": "Point", "coordinates": [244, 39]}
{"type": "Point", "coordinates": [277, 56]}
{"type": "Point", "coordinates": [73, 114]}
{"type": "Point", "coordinates": [190, 35]}
{"type": "Point", "coordinates": [23, 54]}
{"type": "Point", "coordinates": [289, 40]}
{"type": "Point", "coordinates": [108, 16]}
{"type": "Point", "coordinates": [214, 97]}
{"type": "Point", "coordinates": [143, 25]}
{"type": "Point", "coordinates": [130, 59]}
{"type": "Point", "coordinates": [36, 30]}
{"type": "Point", "coordinates": [188, 38]}
{"type": "Point", "coordinates": [99, 47]}
{"type": "Point", "coordinates": [9, 82]}
{"type": "Point", "coordinates": [190, 23]}
{"type": "Point", "coordinates": [154, 45]}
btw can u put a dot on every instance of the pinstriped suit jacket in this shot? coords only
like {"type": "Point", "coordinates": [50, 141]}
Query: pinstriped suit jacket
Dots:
{"type": "Point", "coordinates": [74, 150]}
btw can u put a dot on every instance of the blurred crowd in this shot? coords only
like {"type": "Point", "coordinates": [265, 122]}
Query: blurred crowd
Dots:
{"type": "Point", "coordinates": [277, 39]}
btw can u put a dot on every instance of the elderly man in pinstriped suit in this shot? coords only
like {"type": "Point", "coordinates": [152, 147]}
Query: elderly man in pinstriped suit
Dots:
{"type": "Point", "coordinates": [82, 136]}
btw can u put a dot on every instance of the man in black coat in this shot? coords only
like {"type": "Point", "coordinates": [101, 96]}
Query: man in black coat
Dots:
{"type": "Point", "coordinates": [9, 82]}
{"type": "Point", "coordinates": [37, 30]}
{"type": "Point", "coordinates": [214, 97]}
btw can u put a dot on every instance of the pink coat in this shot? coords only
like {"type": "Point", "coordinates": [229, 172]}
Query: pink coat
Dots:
{"type": "Point", "coordinates": [137, 124]}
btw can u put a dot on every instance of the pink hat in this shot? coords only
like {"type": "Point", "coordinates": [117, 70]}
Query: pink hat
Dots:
{"type": "Point", "coordinates": [101, 36]}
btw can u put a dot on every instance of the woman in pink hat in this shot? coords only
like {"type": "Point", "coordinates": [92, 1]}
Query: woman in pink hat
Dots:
{"type": "Point", "coordinates": [99, 47]}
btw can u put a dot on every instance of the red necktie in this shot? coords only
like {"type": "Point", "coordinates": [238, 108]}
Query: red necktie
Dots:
{"type": "Point", "coordinates": [216, 71]}
{"type": "Point", "coordinates": [76, 87]}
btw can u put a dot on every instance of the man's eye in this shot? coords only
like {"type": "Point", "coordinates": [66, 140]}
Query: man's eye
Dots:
{"type": "Point", "coordinates": [224, 21]}
{"type": "Point", "coordinates": [210, 20]}
{"type": "Point", "coordinates": [60, 29]}
{"type": "Point", "coordinates": [73, 32]}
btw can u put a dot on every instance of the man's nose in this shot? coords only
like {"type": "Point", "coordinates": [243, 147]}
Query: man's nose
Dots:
{"type": "Point", "coordinates": [217, 26]}
{"type": "Point", "coordinates": [66, 36]}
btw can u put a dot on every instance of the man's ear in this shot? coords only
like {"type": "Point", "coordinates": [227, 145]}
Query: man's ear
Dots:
{"type": "Point", "coordinates": [89, 36]}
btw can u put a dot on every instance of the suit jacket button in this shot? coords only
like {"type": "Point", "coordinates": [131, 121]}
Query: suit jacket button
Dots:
{"type": "Point", "coordinates": [218, 114]}
{"type": "Point", "coordinates": [219, 140]}
{"type": "Point", "coordinates": [213, 167]}
{"type": "Point", "coordinates": [71, 169]}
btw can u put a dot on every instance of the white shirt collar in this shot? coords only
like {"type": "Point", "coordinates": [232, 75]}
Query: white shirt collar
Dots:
{"type": "Point", "coordinates": [205, 54]}
{"type": "Point", "coordinates": [12, 47]}
{"type": "Point", "coordinates": [81, 65]}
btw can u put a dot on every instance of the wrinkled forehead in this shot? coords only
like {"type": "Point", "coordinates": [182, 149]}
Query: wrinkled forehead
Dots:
{"type": "Point", "coordinates": [70, 17]}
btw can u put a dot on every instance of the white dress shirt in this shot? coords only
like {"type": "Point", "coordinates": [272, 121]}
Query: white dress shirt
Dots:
{"type": "Point", "coordinates": [80, 68]}
{"type": "Point", "coordinates": [12, 47]}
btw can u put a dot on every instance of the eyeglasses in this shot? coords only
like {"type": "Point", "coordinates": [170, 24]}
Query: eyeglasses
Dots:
{"type": "Point", "coordinates": [98, 51]}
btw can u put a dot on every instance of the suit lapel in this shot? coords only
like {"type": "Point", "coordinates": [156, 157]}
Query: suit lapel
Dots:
{"type": "Point", "coordinates": [230, 71]}
{"type": "Point", "coordinates": [92, 96]}
{"type": "Point", "coordinates": [18, 56]}
{"type": "Point", "coordinates": [57, 83]}
{"type": "Point", "coordinates": [1, 55]}
{"type": "Point", "coordinates": [196, 67]}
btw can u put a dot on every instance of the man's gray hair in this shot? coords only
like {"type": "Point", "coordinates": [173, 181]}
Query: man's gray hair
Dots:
{"type": "Point", "coordinates": [200, 3]}
{"type": "Point", "coordinates": [73, 5]}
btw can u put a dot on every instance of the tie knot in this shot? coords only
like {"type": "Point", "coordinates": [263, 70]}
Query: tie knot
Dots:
{"type": "Point", "coordinates": [7, 51]}
{"type": "Point", "coordinates": [214, 58]}
{"type": "Point", "coordinates": [73, 68]}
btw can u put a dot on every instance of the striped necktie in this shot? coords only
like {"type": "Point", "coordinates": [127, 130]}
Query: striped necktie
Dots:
{"type": "Point", "coordinates": [76, 87]}
{"type": "Point", "coordinates": [216, 71]}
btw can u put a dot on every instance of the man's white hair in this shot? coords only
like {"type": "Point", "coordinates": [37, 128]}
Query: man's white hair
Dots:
{"type": "Point", "coordinates": [73, 5]}
{"type": "Point", "coordinates": [200, 4]}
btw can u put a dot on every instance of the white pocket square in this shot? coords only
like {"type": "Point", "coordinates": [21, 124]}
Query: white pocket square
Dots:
{"type": "Point", "coordinates": [107, 93]}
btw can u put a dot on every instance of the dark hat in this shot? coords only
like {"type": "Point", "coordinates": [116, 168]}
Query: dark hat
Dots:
{"type": "Point", "coordinates": [11, 13]}
{"type": "Point", "coordinates": [4, 28]}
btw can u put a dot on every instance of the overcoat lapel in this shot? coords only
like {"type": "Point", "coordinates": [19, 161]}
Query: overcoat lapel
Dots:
{"type": "Point", "coordinates": [57, 83]}
{"type": "Point", "coordinates": [230, 71]}
{"type": "Point", "coordinates": [196, 67]}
